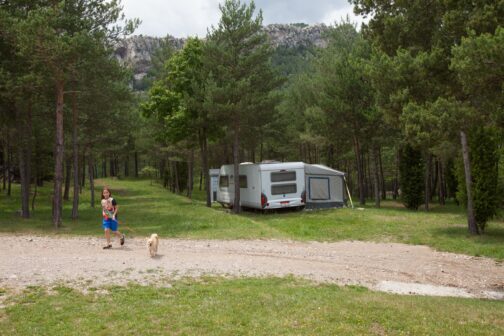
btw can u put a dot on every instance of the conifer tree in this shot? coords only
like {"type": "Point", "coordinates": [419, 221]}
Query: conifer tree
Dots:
{"type": "Point", "coordinates": [238, 56]}
{"type": "Point", "coordinates": [411, 177]}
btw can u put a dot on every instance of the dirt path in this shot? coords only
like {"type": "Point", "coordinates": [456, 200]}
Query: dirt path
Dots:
{"type": "Point", "coordinates": [80, 261]}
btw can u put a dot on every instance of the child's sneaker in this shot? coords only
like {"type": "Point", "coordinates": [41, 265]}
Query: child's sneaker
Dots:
{"type": "Point", "coordinates": [107, 247]}
{"type": "Point", "coordinates": [122, 240]}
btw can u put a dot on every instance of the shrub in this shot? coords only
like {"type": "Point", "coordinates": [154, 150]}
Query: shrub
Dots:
{"type": "Point", "coordinates": [411, 172]}
{"type": "Point", "coordinates": [484, 154]}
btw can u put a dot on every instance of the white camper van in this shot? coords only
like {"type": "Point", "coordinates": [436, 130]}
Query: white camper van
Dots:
{"type": "Point", "coordinates": [264, 185]}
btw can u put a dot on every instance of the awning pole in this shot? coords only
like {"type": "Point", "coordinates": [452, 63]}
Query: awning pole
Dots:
{"type": "Point", "coordinates": [348, 191]}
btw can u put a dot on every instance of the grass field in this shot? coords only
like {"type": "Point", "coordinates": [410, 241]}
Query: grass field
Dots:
{"type": "Point", "coordinates": [146, 208]}
{"type": "Point", "coordinates": [216, 306]}
{"type": "Point", "coordinates": [213, 306]}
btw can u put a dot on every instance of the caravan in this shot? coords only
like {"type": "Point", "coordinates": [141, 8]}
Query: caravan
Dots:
{"type": "Point", "coordinates": [264, 185]}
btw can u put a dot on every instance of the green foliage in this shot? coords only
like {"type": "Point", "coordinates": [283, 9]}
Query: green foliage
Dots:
{"type": "Point", "coordinates": [290, 61]}
{"type": "Point", "coordinates": [411, 170]}
{"type": "Point", "coordinates": [176, 99]}
{"type": "Point", "coordinates": [437, 68]}
{"type": "Point", "coordinates": [479, 64]}
{"type": "Point", "coordinates": [149, 172]}
{"type": "Point", "coordinates": [238, 56]}
{"type": "Point", "coordinates": [157, 70]}
{"type": "Point", "coordinates": [485, 157]}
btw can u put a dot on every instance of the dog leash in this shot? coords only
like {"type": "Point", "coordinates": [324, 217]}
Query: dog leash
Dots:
{"type": "Point", "coordinates": [126, 227]}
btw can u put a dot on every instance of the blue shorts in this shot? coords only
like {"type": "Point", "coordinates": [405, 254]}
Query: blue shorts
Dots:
{"type": "Point", "coordinates": [110, 224]}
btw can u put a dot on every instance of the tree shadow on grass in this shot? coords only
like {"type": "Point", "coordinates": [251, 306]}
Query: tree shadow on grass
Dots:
{"type": "Point", "coordinates": [490, 235]}
{"type": "Point", "coordinates": [458, 240]}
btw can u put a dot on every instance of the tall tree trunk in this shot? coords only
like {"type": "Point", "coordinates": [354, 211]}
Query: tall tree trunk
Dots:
{"type": "Point", "coordinates": [172, 175]}
{"type": "Point", "coordinates": [104, 167]}
{"type": "Point", "coordinates": [116, 165]}
{"type": "Point", "coordinates": [396, 176]}
{"type": "Point", "coordinates": [261, 157]}
{"type": "Point", "coordinates": [75, 153]}
{"type": "Point", "coordinates": [68, 173]}
{"type": "Point", "coordinates": [136, 164]}
{"type": "Point", "coordinates": [24, 131]}
{"type": "Point", "coordinates": [83, 171]}
{"type": "Point", "coordinates": [382, 176]}
{"type": "Point", "coordinates": [441, 183]}
{"type": "Point", "coordinates": [330, 156]}
{"type": "Point", "coordinates": [5, 159]}
{"type": "Point", "coordinates": [112, 167]}
{"type": "Point", "coordinates": [360, 173]}
{"type": "Point", "coordinates": [33, 199]}
{"type": "Point", "coordinates": [175, 172]}
{"type": "Point", "coordinates": [91, 178]}
{"type": "Point", "coordinates": [252, 153]}
{"type": "Point", "coordinates": [376, 178]}
{"type": "Point", "coordinates": [445, 187]}
{"type": "Point", "coordinates": [190, 172]}
{"type": "Point", "coordinates": [236, 161]}
{"type": "Point", "coordinates": [162, 171]}
{"type": "Point", "coordinates": [471, 219]}
{"type": "Point", "coordinates": [427, 181]}
{"type": "Point", "coordinates": [9, 167]}
{"type": "Point", "coordinates": [126, 166]}
{"type": "Point", "coordinates": [367, 170]}
{"type": "Point", "coordinates": [205, 167]}
{"type": "Point", "coordinates": [434, 179]}
{"type": "Point", "coordinates": [58, 157]}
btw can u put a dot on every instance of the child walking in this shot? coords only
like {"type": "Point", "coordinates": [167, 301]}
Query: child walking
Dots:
{"type": "Point", "coordinates": [109, 212]}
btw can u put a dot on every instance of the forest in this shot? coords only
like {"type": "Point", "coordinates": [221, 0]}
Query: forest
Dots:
{"type": "Point", "coordinates": [409, 106]}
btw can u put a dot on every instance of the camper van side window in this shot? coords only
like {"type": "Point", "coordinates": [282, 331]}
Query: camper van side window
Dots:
{"type": "Point", "coordinates": [283, 176]}
{"type": "Point", "coordinates": [280, 189]}
{"type": "Point", "coordinates": [243, 181]}
{"type": "Point", "coordinates": [224, 181]}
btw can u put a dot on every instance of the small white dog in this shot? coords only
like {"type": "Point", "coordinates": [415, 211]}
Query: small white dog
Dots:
{"type": "Point", "coordinates": [152, 244]}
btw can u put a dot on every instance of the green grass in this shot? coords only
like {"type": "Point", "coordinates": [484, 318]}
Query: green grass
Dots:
{"type": "Point", "coordinates": [214, 306]}
{"type": "Point", "coordinates": [146, 208]}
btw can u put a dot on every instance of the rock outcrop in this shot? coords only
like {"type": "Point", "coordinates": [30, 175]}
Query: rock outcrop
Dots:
{"type": "Point", "coordinates": [294, 35]}
{"type": "Point", "coordinates": [136, 51]}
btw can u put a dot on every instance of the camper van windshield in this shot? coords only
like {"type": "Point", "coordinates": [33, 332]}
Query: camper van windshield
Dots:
{"type": "Point", "coordinates": [280, 189]}
{"type": "Point", "coordinates": [224, 181]}
{"type": "Point", "coordinates": [283, 176]}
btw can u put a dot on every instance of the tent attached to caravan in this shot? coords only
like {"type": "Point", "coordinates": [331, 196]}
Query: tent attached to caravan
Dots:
{"type": "Point", "coordinates": [325, 187]}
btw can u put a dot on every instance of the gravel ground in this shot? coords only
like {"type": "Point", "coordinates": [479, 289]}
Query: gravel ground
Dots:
{"type": "Point", "coordinates": [81, 262]}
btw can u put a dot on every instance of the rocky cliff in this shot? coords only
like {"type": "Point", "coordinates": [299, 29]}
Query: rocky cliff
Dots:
{"type": "Point", "coordinates": [136, 51]}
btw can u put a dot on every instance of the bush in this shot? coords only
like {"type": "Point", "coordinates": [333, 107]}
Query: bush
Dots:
{"type": "Point", "coordinates": [484, 154]}
{"type": "Point", "coordinates": [149, 172]}
{"type": "Point", "coordinates": [411, 173]}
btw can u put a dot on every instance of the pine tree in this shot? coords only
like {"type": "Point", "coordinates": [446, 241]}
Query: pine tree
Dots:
{"type": "Point", "coordinates": [484, 159]}
{"type": "Point", "coordinates": [411, 170]}
{"type": "Point", "coordinates": [238, 56]}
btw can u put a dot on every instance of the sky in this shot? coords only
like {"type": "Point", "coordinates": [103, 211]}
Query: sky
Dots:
{"type": "Point", "coordinates": [182, 18]}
